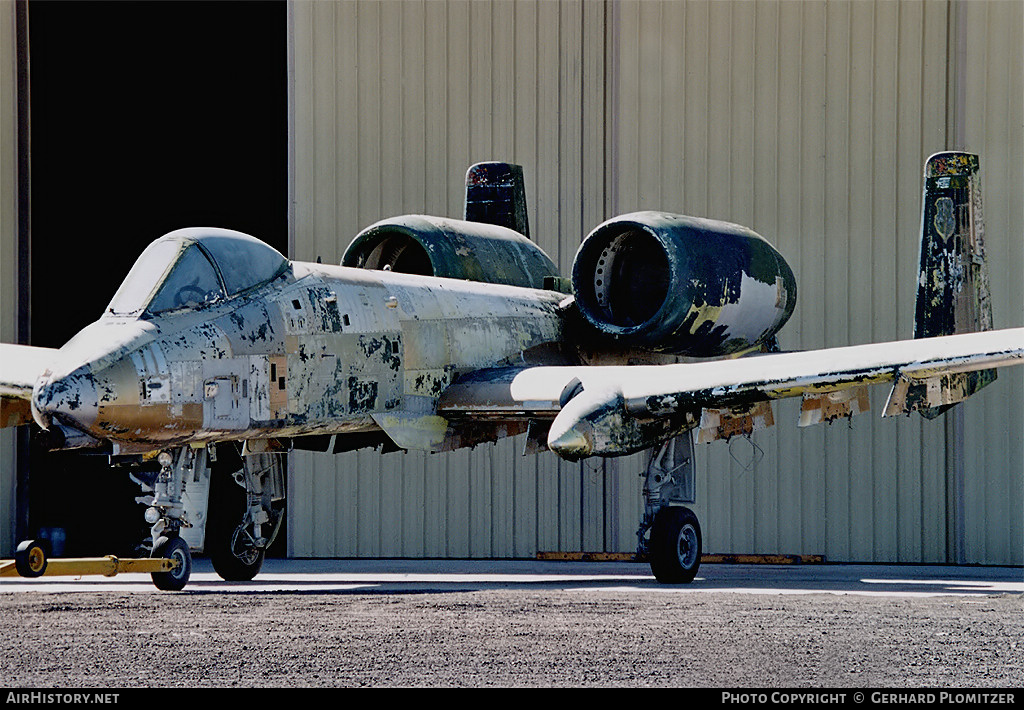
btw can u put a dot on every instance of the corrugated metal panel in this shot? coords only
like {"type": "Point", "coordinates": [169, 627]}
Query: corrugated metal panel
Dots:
{"type": "Point", "coordinates": [807, 121]}
{"type": "Point", "coordinates": [991, 123]}
{"type": "Point", "coordinates": [393, 102]}
{"type": "Point", "coordinates": [810, 122]}
{"type": "Point", "coordinates": [8, 249]}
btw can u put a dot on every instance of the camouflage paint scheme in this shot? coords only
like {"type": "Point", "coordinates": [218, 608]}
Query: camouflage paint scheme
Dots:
{"type": "Point", "coordinates": [438, 333]}
{"type": "Point", "coordinates": [322, 350]}
{"type": "Point", "coordinates": [953, 291]}
{"type": "Point", "coordinates": [317, 350]}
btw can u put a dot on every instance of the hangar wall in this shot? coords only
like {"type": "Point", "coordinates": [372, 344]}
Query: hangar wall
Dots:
{"type": "Point", "coordinates": [807, 121]}
{"type": "Point", "coordinates": [392, 103]}
{"type": "Point", "coordinates": [8, 249]}
{"type": "Point", "coordinates": [820, 148]}
{"type": "Point", "coordinates": [990, 105]}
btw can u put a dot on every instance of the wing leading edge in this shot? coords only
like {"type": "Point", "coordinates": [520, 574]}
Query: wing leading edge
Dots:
{"type": "Point", "coordinates": [609, 410]}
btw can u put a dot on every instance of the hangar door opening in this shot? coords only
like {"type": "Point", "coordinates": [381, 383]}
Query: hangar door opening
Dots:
{"type": "Point", "coordinates": [143, 118]}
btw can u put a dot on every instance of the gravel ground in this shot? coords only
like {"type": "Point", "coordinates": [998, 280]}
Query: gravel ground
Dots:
{"type": "Point", "coordinates": [506, 637]}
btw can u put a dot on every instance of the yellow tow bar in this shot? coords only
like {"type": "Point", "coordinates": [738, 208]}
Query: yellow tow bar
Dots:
{"type": "Point", "coordinates": [80, 566]}
{"type": "Point", "coordinates": [170, 567]}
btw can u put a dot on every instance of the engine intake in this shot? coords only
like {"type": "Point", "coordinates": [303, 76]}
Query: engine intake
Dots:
{"type": "Point", "coordinates": [682, 285]}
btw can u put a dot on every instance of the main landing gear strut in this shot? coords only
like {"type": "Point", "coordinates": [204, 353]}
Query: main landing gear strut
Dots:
{"type": "Point", "coordinates": [669, 534]}
{"type": "Point", "coordinates": [247, 494]}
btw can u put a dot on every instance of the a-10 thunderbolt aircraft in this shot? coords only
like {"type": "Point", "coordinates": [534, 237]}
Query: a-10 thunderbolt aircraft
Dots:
{"type": "Point", "coordinates": [435, 334]}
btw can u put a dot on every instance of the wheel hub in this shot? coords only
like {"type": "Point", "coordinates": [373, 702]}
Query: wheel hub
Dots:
{"type": "Point", "coordinates": [686, 547]}
{"type": "Point", "coordinates": [178, 562]}
{"type": "Point", "coordinates": [36, 559]}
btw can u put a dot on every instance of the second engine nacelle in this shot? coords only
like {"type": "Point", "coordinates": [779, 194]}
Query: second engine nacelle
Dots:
{"type": "Point", "coordinates": [682, 285]}
{"type": "Point", "coordinates": [452, 248]}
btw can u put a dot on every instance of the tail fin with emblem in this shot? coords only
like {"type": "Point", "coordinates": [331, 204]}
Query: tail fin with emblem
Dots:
{"type": "Point", "coordinates": [952, 284]}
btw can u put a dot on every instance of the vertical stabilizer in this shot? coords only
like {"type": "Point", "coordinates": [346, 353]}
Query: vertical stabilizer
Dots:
{"type": "Point", "coordinates": [496, 194]}
{"type": "Point", "coordinates": [952, 286]}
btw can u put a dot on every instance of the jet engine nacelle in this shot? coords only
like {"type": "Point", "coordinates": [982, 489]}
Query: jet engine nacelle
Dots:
{"type": "Point", "coordinates": [682, 285]}
{"type": "Point", "coordinates": [451, 248]}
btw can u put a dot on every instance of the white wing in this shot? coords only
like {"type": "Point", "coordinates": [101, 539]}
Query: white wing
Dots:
{"type": "Point", "coordinates": [21, 366]}
{"type": "Point", "coordinates": [645, 403]}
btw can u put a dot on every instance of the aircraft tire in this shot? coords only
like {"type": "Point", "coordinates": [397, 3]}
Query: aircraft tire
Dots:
{"type": "Point", "coordinates": [232, 569]}
{"type": "Point", "coordinates": [172, 548]}
{"type": "Point", "coordinates": [30, 558]}
{"type": "Point", "coordinates": [675, 545]}
{"type": "Point", "coordinates": [227, 506]}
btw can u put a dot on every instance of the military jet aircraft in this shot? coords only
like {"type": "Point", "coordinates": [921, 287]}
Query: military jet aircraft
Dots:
{"type": "Point", "coordinates": [217, 353]}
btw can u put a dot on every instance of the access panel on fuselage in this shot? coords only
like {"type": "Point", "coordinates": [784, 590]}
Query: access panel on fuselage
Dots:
{"type": "Point", "coordinates": [343, 355]}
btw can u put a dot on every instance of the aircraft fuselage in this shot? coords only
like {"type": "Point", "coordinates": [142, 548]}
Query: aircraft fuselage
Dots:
{"type": "Point", "coordinates": [321, 350]}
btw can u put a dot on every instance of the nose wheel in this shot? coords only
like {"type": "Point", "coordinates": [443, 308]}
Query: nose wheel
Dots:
{"type": "Point", "coordinates": [176, 550]}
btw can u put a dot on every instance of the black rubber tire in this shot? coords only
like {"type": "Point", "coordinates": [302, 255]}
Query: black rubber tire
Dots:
{"type": "Point", "coordinates": [172, 548]}
{"type": "Point", "coordinates": [227, 506]}
{"type": "Point", "coordinates": [229, 567]}
{"type": "Point", "coordinates": [31, 557]}
{"type": "Point", "coordinates": [675, 546]}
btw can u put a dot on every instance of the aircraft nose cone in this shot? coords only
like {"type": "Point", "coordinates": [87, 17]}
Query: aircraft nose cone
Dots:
{"type": "Point", "coordinates": [70, 399]}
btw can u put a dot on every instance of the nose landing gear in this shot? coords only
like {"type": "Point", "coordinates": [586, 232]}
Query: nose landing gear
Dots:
{"type": "Point", "coordinates": [167, 517]}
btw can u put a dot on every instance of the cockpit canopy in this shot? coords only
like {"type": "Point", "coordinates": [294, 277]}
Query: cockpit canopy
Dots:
{"type": "Point", "coordinates": [192, 267]}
